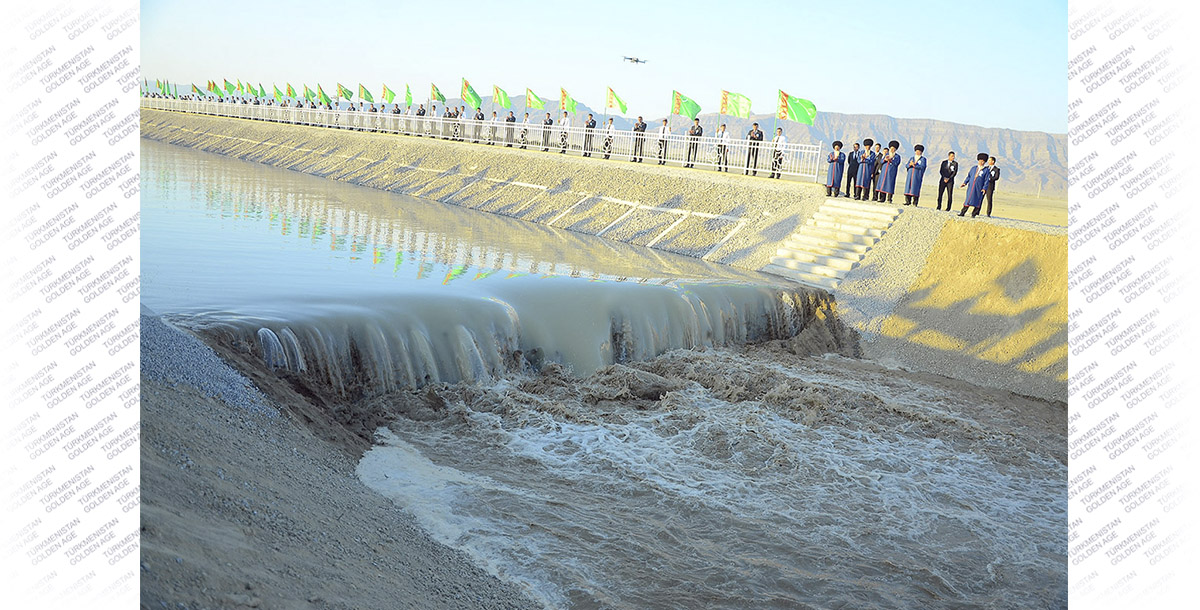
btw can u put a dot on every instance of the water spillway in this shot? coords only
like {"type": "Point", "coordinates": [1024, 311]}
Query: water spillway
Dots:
{"type": "Point", "coordinates": [362, 291]}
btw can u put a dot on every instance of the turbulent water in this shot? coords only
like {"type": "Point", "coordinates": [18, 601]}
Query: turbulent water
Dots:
{"type": "Point", "coordinates": [563, 441]}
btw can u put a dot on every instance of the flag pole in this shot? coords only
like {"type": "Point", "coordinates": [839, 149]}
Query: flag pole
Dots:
{"type": "Point", "coordinates": [606, 105]}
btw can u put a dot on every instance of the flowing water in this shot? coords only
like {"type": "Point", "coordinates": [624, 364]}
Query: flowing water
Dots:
{"type": "Point", "coordinates": [565, 440]}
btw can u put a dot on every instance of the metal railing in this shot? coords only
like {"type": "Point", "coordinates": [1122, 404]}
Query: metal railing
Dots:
{"type": "Point", "coordinates": [790, 159]}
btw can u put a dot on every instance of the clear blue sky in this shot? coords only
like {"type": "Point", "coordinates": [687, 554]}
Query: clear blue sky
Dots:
{"type": "Point", "coordinates": [997, 65]}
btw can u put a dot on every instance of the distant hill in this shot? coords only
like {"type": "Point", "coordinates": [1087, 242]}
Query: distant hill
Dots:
{"type": "Point", "coordinates": [1028, 159]}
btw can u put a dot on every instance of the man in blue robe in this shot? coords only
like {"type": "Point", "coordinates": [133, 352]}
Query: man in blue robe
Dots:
{"type": "Point", "coordinates": [837, 166]}
{"type": "Point", "coordinates": [916, 173]}
{"type": "Point", "coordinates": [889, 169]}
{"type": "Point", "coordinates": [976, 184]}
{"type": "Point", "coordinates": [866, 168]}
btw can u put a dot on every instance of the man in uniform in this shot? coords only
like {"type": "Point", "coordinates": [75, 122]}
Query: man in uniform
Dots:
{"type": "Point", "coordinates": [852, 167]}
{"type": "Point", "coordinates": [722, 149]}
{"type": "Point", "coordinates": [976, 184]}
{"type": "Point", "coordinates": [948, 171]}
{"type": "Point", "coordinates": [563, 124]}
{"type": "Point", "coordinates": [777, 146]}
{"type": "Point", "coordinates": [693, 143]}
{"type": "Point", "coordinates": [916, 174]}
{"type": "Point", "coordinates": [589, 130]}
{"type": "Point", "coordinates": [991, 189]}
{"type": "Point", "coordinates": [546, 124]}
{"type": "Point", "coordinates": [639, 140]}
{"type": "Point", "coordinates": [837, 166]}
{"type": "Point", "coordinates": [479, 122]}
{"type": "Point", "coordinates": [663, 132]}
{"type": "Point", "coordinates": [755, 135]}
{"type": "Point", "coordinates": [610, 133]}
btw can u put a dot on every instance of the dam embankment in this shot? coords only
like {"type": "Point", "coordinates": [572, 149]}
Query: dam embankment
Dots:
{"type": "Point", "coordinates": [973, 299]}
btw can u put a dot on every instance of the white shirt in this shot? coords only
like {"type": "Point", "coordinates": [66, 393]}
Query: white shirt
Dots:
{"type": "Point", "coordinates": [565, 121]}
{"type": "Point", "coordinates": [779, 141]}
{"type": "Point", "coordinates": [611, 130]}
{"type": "Point", "coordinates": [664, 131]}
{"type": "Point", "coordinates": [723, 136]}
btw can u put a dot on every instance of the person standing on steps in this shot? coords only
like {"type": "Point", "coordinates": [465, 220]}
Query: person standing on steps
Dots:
{"type": "Point", "coordinates": [916, 173]}
{"type": "Point", "coordinates": [639, 140]}
{"type": "Point", "coordinates": [888, 171]}
{"type": "Point", "coordinates": [778, 144]}
{"type": "Point", "coordinates": [976, 184]}
{"type": "Point", "coordinates": [852, 167]}
{"type": "Point", "coordinates": [948, 171]}
{"type": "Point", "coordinates": [663, 136]}
{"type": "Point", "coordinates": [837, 166]}
{"type": "Point", "coordinates": [693, 143]}
{"type": "Point", "coordinates": [991, 189]}
{"type": "Point", "coordinates": [866, 168]}
{"type": "Point", "coordinates": [755, 135]}
{"type": "Point", "coordinates": [873, 183]}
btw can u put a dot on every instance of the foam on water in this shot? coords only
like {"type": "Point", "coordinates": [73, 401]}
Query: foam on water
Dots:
{"type": "Point", "coordinates": [838, 483]}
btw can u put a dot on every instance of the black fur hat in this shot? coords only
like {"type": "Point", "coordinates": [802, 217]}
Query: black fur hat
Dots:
{"type": "Point", "coordinates": [837, 143]}
{"type": "Point", "coordinates": [982, 156]}
{"type": "Point", "coordinates": [919, 147]}
{"type": "Point", "coordinates": [893, 144]}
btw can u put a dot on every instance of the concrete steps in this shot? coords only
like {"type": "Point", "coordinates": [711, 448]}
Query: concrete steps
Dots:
{"type": "Point", "coordinates": [833, 242]}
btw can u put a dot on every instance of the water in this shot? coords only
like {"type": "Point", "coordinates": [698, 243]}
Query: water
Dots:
{"type": "Point", "coordinates": [726, 476]}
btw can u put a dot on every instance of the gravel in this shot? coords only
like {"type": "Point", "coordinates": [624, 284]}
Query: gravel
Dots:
{"type": "Point", "coordinates": [172, 356]}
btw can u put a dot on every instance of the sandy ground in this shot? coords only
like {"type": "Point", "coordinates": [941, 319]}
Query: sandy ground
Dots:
{"type": "Point", "coordinates": [244, 507]}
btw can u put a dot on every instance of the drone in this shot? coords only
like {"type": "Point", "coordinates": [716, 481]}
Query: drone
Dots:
{"type": "Point", "coordinates": [634, 60]}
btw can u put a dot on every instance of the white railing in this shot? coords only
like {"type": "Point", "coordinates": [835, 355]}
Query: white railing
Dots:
{"type": "Point", "coordinates": [800, 160]}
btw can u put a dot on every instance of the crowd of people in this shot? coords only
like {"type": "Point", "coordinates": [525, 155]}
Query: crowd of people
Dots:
{"type": "Point", "coordinates": [871, 170]}
{"type": "Point", "coordinates": [872, 173]}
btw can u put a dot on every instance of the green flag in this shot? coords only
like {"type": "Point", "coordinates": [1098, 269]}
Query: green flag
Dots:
{"type": "Point", "coordinates": [278, 93]}
{"type": "Point", "coordinates": [229, 87]}
{"type": "Point", "coordinates": [735, 104]}
{"type": "Point", "coordinates": [290, 91]}
{"type": "Point", "coordinates": [407, 95]}
{"type": "Point", "coordinates": [239, 87]}
{"type": "Point", "coordinates": [322, 97]}
{"type": "Point", "coordinates": [388, 95]}
{"type": "Point", "coordinates": [250, 89]}
{"type": "Point", "coordinates": [615, 101]}
{"type": "Point", "coordinates": [532, 100]}
{"type": "Point", "coordinates": [469, 97]}
{"type": "Point", "coordinates": [796, 109]}
{"type": "Point", "coordinates": [684, 105]}
{"type": "Point", "coordinates": [345, 92]}
{"type": "Point", "coordinates": [309, 94]}
{"type": "Point", "coordinates": [363, 94]}
{"type": "Point", "coordinates": [565, 101]}
{"type": "Point", "coordinates": [435, 93]}
{"type": "Point", "coordinates": [197, 90]}
{"type": "Point", "coordinates": [262, 91]}
{"type": "Point", "coordinates": [500, 97]}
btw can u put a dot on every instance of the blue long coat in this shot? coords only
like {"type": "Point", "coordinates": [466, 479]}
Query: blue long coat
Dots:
{"type": "Point", "coordinates": [837, 167]}
{"type": "Point", "coordinates": [866, 168]}
{"type": "Point", "coordinates": [976, 183]}
{"type": "Point", "coordinates": [887, 176]}
{"type": "Point", "coordinates": [916, 173]}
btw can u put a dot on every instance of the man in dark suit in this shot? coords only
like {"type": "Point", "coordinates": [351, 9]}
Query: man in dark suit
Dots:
{"type": "Point", "coordinates": [547, 123]}
{"type": "Point", "coordinates": [852, 167]}
{"type": "Point", "coordinates": [693, 143]}
{"type": "Point", "coordinates": [755, 135]}
{"type": "Point", "coordinates": [948, 171]}
{"type": "Point", "coordinates": [589, 130]}
{"type": "Point", "coordinates": [639, 140]}
{"type": "Point", "coordinates": [991, 188]}
{"type": "Point", "coordinates": [510, 119]}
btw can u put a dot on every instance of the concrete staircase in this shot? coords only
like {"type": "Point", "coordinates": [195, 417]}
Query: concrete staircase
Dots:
{"type": "Point", "coordinates": [833, 241]}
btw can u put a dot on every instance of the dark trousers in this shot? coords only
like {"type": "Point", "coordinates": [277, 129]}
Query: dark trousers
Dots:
{"type": "Point", "coordinates": [662, 152]}
{"type": "Point", "coordinates": [911, 199]}
{"type": "Point", "coordinates": [851, 176]}
{"type": "Point", "coordinates": [723, 158]}
{"type": "Point", "coordinates": [607, 147]}
{"type": "Point", "coordinates": [545, 139]}
{"type": "Point", "coordinates": [777, 164]}
{"type": "Point", "coordinates": [946, 186]}
{"type": "Point", "coordinates": [587, 143]}
{"type": "Point", "coordinates": [752, 154]}
{"type": "Point", "coordinates": [990, 191]}
{"type": "Point", "coordinates": [638, 143]}
{"type": "Point", "coordinates": [693, 150]}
